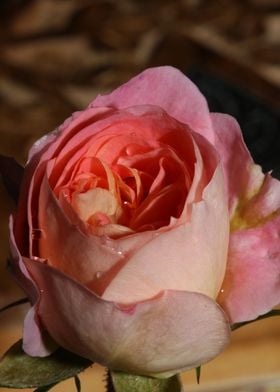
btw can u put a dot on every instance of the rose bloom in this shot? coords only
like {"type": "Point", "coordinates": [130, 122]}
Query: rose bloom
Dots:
{"type": "Point", "coordinates": [144, 229]}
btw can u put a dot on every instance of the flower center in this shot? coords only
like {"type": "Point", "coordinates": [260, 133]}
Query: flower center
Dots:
{"type": "Point", "coordinates": [139, 192]}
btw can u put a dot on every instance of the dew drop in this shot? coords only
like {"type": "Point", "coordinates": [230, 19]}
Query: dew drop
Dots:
{"type": "Point", "coordinates": [41, 291]}
{"type": "Point", "coordinates": [98, 275]}
{"type": "Point", "coordinates": [222, 290]}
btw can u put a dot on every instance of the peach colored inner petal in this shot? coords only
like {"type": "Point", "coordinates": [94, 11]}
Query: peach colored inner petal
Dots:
{"type": "Point", "coordinates": [142, 172]}
{"type": "Point", "coordinates": [139, 192]}
{"type": "Point", "coordinates": [96, 205]}
{"type": "Point", "coordinates": [157, 209]}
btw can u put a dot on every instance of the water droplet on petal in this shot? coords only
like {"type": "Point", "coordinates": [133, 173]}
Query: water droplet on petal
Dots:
{"type": "Point", "coordinates": [222, 290]}
{"type": "Point", "coordinates": [41, 291]}
{"type": "Point", "coordinates": [98, 275]}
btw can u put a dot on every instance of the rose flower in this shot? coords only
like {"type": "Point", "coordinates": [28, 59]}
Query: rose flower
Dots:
{"type": "Point", "coordinates": [144, 229]}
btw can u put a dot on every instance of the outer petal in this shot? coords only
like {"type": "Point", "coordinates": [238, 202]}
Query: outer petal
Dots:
{"type": "Point", "coordinates": [18, 268]}
{"type": "Point", "coordinates": [252, 282]}
{"type": "Point", "coordinates": [44, 148]}
{"type": "Point", "coordinates": [36, 340]}
{"type": "Point", "coordinates": [243, 178]}
{"type": "Point", "coordinates": [81, 256]}
{"type": "Point", "coordinates": [167, 88]}
{"type": "Point", "coordinates": [190, 257]}
{"type": "Point", "coordinates": [175, 331]}
{"type": "Point", "coordinates": [33, 337]}
{"type": "Point", "coordinates": [42, 151]}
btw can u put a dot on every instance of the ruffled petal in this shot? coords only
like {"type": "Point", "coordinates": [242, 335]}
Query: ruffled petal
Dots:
{"type": "Point", "coordinates": [81, 256]}
{"type": "Point", "coordinates": [94, 255]}
{"type": "Point", "coordinates": [242, 177]}
{"type": "Point", "coordinates": [252, 281]}
{"type": "Point", "coordinates": [156, 337]}
{"type": "Point", "coordinates": [167, 88]}
{"type": "Point", "coordinates": [189, 257]}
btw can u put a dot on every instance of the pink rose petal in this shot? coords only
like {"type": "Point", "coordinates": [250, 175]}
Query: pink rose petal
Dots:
{"type": "Point", "coordinates": [18, 267]}
{"type": "Point", "coordinates": [243, 178]}
{"type": "Point", "coordinates": [82, 256]}
{"type": "Point", "coordinates": [252, 282]}
{"type": "Point", "coordinates": [36, 341]}
{"type": "Point", "coordinates": [167, 88]}
{"type": "Point", "coordinates": [190, 257]}
{"type": "Point", "coordinates": [172, 332]}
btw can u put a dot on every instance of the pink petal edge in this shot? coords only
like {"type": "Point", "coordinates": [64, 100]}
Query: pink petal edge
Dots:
{"type": "Point", "coordinates": [252, 282]}
{"type": "Point", "coordinates": [156, 337]}
{"type": "Point", "coordinates": [242, 176]}
{"type": "Point", "coordinates": [167, 88]}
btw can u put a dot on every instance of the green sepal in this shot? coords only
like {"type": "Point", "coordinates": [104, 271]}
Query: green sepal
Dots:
{"type": "Point", "coordinates": [122, 382]}
{"type": "Point", "coordinates": [46, 388]}
{"type": "Point", "coordinates": [274, 312]}
{"type": "Point", "coordinates": [18, 370]}
{"type": "Point", "coordinates": [77, 383]}
{"type": "Point", "coordinates": [198, 374]}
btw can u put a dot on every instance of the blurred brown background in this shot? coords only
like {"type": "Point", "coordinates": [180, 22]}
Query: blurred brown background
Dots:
{"type": "Point", "coordinates": [56, 55]}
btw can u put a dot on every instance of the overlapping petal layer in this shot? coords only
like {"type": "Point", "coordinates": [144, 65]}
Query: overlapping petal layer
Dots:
{"type": "Point", "coordinates": [252, 281]}
{"type": "Point", "coordinates": [122, 230]}
{"type": "Point", "coordinates": [145, 338]}
{"type": "Point", "coordinates": [167, 88]}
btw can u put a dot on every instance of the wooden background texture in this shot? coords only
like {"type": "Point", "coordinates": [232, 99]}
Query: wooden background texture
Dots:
{"type": "Point", "coordinates": [56, 55]}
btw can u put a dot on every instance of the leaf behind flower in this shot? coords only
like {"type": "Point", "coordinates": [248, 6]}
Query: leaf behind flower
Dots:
{"type": "Point", "coordinates": [122, 382]}
{"type": "Point", "coordinates": [18, 370]}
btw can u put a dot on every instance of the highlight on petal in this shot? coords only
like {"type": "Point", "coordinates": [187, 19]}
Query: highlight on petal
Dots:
{"type": "Point", "coordinates": [252, 282]}
{"type": "Point", "coordinates": [167, 88]}
{"type": "Point", "coordinates": [156, 337]}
